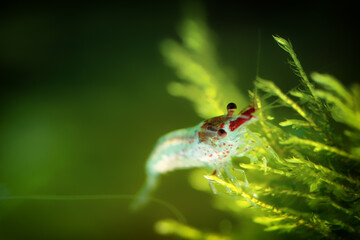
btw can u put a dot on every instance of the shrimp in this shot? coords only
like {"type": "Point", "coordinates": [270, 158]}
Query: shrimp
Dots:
{"type": "Point", "coordinates": [210, 144]}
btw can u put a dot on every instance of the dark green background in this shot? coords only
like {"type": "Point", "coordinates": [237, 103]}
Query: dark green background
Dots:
{"type": "Point", "coordinates": [83, 100]}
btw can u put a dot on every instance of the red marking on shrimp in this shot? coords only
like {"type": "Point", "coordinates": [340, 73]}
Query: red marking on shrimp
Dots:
{"type": "Point", "coordinates": [227, 151]}
{"type": "Point", "coordinates": [210, 155]}
{"type": "Point", "coordinates": [224, 144]}
{"type": "Point", "coordinates": [214, 172]}
{"type": "Point", "coordinates": [248, 110]}
{"type": "Point", "coordinates": [245, 115]}
{"type": "Point", "coordinates": [238, 122]}
{"type": "Point", "coordinates": [222, 125]}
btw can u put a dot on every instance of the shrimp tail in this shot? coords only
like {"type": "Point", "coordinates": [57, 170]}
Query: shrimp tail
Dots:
{"type": "Point", "coordinates": [143, 196]}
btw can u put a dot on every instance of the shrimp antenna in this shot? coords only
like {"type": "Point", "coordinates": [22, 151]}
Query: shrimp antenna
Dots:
{"type": "Point", "coordinates": [45, 197]}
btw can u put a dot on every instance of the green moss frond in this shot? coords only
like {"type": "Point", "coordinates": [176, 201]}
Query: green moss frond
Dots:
{"type": "Point", "coordinates": [205, 83]}
{"type": "Point", "coordinates": [344, 104]}
{"type": "Point", "coordinates": [172, 227]}
{"type": "Point", "coordinates": [323, 170]}
{"type": "Point", "coordinates": [277, 218]}
{"type": "Point", "coordinates": [298, 69]}
{"type": "Point", "coordinates": [295, 123]}
{"type": "Point", "coordinates": [317, 147]}
{"type": "Point", "coordinates": [331, 84]}
{"type": "Point", "coordinates": [270, 87]}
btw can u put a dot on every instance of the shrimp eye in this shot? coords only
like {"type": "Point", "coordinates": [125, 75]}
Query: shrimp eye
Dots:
{"type": "Point", "coordinates": [222, 133]}
{"type": "Point", "coordinates": [231, 106]}
{"type": "Point", "coordinates": [230, 109]}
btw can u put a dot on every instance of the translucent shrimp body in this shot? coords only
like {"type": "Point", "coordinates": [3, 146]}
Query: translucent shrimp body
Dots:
{"type": "Point", "coordinates": [211, 145]}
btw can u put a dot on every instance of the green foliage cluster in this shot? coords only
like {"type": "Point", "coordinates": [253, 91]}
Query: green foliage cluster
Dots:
{"type": "Point", "coordinates": [206, 83]}
{"type": "Point", "coordinates": [311, 183]}
{"type": "Point", "coordinates": [320, 159]}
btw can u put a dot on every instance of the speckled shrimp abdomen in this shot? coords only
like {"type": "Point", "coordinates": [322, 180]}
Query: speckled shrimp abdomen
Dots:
{"type": "Point", "coordinates": [174, 151]}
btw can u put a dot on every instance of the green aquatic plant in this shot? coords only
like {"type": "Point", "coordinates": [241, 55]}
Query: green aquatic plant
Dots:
{"type": "Point", "coordinates": [172, 227]}
{"type": "Point", "coordinates": [195, 61]}
{"type": "Point", "coordinates": [311, 186]}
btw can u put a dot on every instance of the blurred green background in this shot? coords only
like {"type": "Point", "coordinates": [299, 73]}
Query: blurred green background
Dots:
{"type": "Point", "coordinates": [83, 100]}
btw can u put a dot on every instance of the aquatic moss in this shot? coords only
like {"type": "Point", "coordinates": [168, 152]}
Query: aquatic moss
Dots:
{"type": "Point", "coordinates": [311, 185]}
